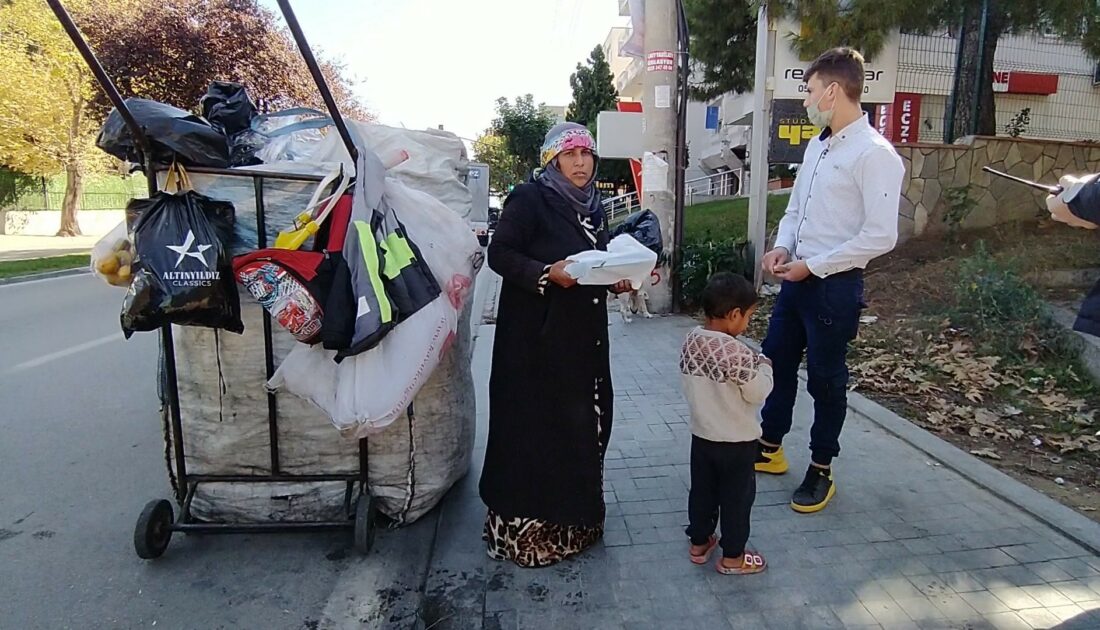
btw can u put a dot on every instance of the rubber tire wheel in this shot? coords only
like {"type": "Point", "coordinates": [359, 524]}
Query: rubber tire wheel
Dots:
{"type": "Point", "coordinates": [365, 523]}
{"type": "Point", "coordinates": [154, 529]}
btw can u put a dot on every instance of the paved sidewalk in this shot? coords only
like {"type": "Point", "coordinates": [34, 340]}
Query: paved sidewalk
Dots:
{"type": "Point", "coordinates": [19, 247]}
{"type": "Point", "coordinates": [906, 543]}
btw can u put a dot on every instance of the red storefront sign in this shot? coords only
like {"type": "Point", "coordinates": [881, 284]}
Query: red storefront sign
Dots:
{"type": "Point", "coordinates": [898, 121]}
{"type": "Point", "coordinates": [1015, 82]}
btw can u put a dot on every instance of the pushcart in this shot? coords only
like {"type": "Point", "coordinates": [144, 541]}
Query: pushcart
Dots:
{"type": "Point", "coordinates": [157, 521]}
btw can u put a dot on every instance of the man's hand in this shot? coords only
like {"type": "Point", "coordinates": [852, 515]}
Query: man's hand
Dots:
{"type": "Point", "coordinates": [559, 277]}
{"type": "Point", "coordinates": [774, 258]}
{"type": "Point", "coordinates": [1060, 212]}
{"type": "Point", "coordinates": [796, 271]}
{"type": "Point", "coordinates": [622, 286]}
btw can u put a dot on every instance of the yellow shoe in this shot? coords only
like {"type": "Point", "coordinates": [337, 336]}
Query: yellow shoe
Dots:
{"type": "Point", "coordinates": [815, 492]}
{"type": "Point", "coordinates": [772, 463]}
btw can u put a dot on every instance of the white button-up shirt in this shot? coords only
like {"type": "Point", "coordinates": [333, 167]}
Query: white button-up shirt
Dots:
{"type": "Point", "coordinates": [843, 211]}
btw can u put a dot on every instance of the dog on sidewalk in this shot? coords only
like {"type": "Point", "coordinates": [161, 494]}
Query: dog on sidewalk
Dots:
{"type": "Point", "coordinates": [633, 303]}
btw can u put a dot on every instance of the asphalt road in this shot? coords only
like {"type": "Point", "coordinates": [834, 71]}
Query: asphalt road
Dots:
{"type": "Point", "coordinates": [81, 452]}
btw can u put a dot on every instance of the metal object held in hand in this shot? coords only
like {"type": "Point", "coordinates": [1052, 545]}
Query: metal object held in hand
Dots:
{"type": "Point", "coordinates": [1048, 188]}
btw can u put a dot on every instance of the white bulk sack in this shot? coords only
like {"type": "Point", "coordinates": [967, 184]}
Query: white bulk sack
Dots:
{"type": "Point", "coordinates": [436, 159]}
{"type": "Point", "coordinates": [625, 259]}
{"type": "Point", "coordinates": [369, 391]}
{"type": "Point", "coordinates": [223, 405]}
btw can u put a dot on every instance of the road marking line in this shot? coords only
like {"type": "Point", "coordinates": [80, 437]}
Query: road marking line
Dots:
{"type": "Point", "coordinates": [47, 358]}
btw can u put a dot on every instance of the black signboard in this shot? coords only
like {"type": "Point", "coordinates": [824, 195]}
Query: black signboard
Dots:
{"type": "Point", "coordinates": [791, 131]}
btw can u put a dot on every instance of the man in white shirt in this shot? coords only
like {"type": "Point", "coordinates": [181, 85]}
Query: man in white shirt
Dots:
{"type": "Point", "coordinates": [843, 213]}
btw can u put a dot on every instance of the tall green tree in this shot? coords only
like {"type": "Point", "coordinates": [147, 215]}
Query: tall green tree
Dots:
{"type": "Point", "coordinates": [593, 89]}
{"type": "Point", "coordinates": [865, 25]}
{"type": "Point", "coordinates": [523, 126]}
{"type": "Point", "coordinates": [722, 46]}
{"type": "Point", "coordinates": [594, 92]}
{"type": "Point", "coordinates": [504, 169]}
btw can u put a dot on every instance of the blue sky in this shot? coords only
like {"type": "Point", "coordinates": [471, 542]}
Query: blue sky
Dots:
{"type": "Point", "coordinates": [424, 63]}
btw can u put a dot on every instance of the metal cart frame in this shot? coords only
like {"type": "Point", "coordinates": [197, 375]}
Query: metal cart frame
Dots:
{"type": "Point", "coordinates": [157, 522]}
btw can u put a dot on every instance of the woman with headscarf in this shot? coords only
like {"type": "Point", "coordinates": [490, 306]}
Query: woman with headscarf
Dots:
{"type": "Point", "coordinates": [550, 388]}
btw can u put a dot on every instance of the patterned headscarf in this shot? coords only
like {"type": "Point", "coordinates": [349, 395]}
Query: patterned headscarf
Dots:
{"type": "Point", "coordinates": [585, 200]}
{"type": "Point", "coordinates": [564, 137]}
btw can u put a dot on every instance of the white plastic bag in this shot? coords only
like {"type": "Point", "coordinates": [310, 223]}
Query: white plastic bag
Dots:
{"type": "Point", "coordinates": [446, 241]}
{"type": "Point", "coordinates": [292, 134]}
{"type": "Point", "coordinates": [112, 257]}
{"type": "Point", "coordinates": [366, 393]}
{"type": "Point", "coordinates": [625, 259]}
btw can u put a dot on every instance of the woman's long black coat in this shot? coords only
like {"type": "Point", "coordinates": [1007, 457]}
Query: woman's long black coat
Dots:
{"type": "Point", "coordinates": [550, 360]}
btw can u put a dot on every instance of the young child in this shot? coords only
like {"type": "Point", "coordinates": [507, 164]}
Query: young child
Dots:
{"type": "Point", "coordinates": [725, 383]}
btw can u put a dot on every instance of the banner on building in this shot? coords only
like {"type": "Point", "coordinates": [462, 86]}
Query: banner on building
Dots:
{"type": "Point", "coordinates": [899, 121]}
{"type": "Point", "coordinates": [881, 73]}
{"type": "Point", "coordinates": [1016, 82]}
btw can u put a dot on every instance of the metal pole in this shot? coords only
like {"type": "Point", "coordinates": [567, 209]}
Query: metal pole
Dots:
{"type": "Point", "coordinates": [953, 101]}
{"type": "Point", "coordinates": [978, 73]}
{"type": "Point", "coordinates": [758, 157]}
{"type": "Point", "coordinates": [659, 136]}
{"type": "Point", "coordinates": [318, 77]}
{"type": "Point", "coordinates": [103, 80]}
{"type": "Point", "coordinates": [683, 58]}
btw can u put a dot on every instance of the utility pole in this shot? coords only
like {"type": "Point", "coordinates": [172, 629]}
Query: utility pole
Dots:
{"type": "Point", "coordinates": [659, 137]}
{"type": "Point", "coordinates": [758, 156]}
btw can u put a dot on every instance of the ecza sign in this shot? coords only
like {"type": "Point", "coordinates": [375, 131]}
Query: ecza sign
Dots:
{"type": "Point", "coordinates": [898, 121]}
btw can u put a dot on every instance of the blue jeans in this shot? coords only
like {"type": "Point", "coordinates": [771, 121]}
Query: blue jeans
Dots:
{"type": "Point", "coordinates": [818, 317]}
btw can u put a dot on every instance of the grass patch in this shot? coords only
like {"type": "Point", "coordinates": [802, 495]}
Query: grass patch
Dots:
{"type": "Point", "coordinates": [16, 268]}
{"type": "Point", "coordinates": [727, 219]}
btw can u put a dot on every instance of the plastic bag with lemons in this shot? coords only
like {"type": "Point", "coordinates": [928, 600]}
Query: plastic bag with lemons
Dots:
{"type": "Point", "coordinates": [113, 257]}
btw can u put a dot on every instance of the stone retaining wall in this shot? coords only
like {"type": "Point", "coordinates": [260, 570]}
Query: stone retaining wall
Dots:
{"type": "Point", "coordinates": [933, 169]}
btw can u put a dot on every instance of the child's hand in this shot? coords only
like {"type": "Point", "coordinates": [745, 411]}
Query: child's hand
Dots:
{"type": "Point", "coordinates": [765, 361]}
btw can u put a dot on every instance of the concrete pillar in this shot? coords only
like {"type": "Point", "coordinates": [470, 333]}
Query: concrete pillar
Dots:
{"type": "Point", "coordinates": [659, 135]}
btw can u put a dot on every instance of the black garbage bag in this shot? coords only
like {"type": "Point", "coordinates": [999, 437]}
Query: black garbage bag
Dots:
{"type": "Point", "coordinates": [645, 227]}
{"type": "Point", "coordinates": [172, 133]}
{"type": "Point", "coordinates": [183, 271]}
{"type": "Point", "coordinates": [229, 109]}
{"type": "Point", "coordinates": [227, 106]}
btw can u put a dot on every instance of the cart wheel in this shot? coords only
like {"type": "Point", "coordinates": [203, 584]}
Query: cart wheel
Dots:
{"type": "Point", "coordinates": [154, 529]}
{"type": "Point", "coordinates": [364, 523]}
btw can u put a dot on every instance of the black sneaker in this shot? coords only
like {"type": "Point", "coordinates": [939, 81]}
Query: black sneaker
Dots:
{"type": "Point", "coordinates": [815, 492]}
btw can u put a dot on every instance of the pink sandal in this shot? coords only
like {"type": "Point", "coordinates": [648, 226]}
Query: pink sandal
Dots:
{"type": "Point", "coordinates": [712, 542]}
{"type": "Point", "coordinates": [751, 562]}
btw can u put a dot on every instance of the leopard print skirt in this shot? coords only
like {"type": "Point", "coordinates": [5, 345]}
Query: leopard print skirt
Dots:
{"type": "Point", "coordinates": [531, 542]}
{"type": "Point", "coordinates": [535, 543]}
